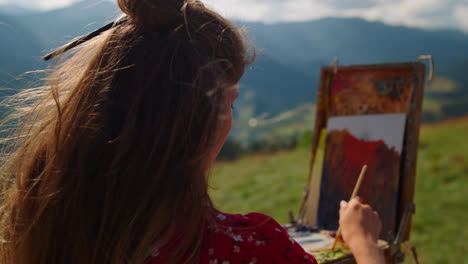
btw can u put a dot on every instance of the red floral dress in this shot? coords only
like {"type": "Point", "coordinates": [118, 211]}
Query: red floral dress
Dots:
{"type": "Point", "coordinates": [246, 239]}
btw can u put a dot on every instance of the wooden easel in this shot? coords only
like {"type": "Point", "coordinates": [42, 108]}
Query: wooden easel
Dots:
{"type": "Point", "coordinates": [307, 216]}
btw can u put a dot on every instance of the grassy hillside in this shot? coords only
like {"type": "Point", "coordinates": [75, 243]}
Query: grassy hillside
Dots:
{"type": "Point", "coordinates": [273, 184]}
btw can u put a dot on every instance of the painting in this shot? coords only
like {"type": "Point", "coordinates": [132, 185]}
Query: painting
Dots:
{"type": "Point", "coordinates": [355, 141]}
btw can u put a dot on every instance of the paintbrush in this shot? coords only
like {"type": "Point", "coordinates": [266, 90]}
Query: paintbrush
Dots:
{"type": "Point", "coordinates": [355, 192]}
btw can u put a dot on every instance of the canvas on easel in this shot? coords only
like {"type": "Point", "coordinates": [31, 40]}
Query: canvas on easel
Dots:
{"type": "Point", "coordinates": [368, 115]}
{"type": "Point", "coordinates": [351, 143]}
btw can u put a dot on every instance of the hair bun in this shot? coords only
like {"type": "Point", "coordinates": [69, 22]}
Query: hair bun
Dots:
{"type": "Point", "coordinates": [154, 13]}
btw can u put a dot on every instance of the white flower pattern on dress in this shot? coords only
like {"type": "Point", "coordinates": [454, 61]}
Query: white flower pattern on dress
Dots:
{"type": "Point", "coordinates": [236, 249]}
{"type": "Point", "coordinates": [231, 239]}
{"type": "Point", "coordinates": [221, 217]}
{"type": "Point", "coordinates": [237, 238]}
{"type": "Point", "coordinates": [292, 240]}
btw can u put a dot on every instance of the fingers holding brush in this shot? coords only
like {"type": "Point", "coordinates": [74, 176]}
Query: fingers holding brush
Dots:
{"type": "Point", "coordinates": [359, 221]}
{"type": "Point", "coordinates": [360, 229]}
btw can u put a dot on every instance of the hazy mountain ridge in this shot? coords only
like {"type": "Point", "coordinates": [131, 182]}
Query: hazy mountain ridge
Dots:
{"type": "Point", "coordinates": [354, 41]}
{"type": "Point", "coordinates": [14, 10]}
{"type": "Point", "coordinates": [290, 55]}
{"type": "Point", "coordinates": [58, 26]}
{"type": "Point", "coordinates": [19, 50]}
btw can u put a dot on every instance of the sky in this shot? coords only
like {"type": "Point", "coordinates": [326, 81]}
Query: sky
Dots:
{"type": "Point", "coordinates": [428, 14]}
{"type": "Point", "coordinates": [388, 127]}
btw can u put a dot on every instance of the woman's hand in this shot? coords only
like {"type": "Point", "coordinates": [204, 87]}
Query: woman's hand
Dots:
{"type": "Point", "coordinates": [360, 228]}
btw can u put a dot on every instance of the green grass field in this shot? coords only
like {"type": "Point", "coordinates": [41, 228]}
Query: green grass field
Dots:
{"type": "Point", "coordinates": [274, 184]}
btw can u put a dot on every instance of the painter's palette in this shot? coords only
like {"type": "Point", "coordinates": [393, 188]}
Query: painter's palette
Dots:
{"type": "Point", "coordinates": [363, 90]}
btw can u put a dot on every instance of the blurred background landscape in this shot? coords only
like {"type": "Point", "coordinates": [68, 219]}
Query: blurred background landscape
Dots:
{"type": "Point", "coordinates": [264, 165]}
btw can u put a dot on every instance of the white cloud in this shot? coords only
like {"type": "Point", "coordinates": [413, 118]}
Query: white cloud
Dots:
{"type": "Point", "coordinates": [461, 15]}
{"type": "Point", "coordinates": [39, 4]}
{"type": "Point", "coordinates": [272, 10]}
{"type": "Point", "coordinates": [49, 4]}
{"type": "Point", "coordinates": [419, 13]}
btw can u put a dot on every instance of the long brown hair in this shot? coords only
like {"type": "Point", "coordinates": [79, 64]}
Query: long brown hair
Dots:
{"type": "Point", "coordinates": [109, 160]}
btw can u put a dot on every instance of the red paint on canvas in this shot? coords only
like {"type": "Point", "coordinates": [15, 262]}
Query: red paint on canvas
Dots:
{"type": "Point", "coordinates": [345, 156]}
{"type": "Point", "coordinates": [359, 151]}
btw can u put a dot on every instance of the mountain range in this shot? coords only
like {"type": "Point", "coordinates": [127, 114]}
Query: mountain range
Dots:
{"type": "Point", "coordinates": [290, 55]}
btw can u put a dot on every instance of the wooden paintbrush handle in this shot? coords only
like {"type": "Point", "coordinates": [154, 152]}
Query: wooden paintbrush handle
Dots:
{"type": "Point", "coordinates": [355, 192]}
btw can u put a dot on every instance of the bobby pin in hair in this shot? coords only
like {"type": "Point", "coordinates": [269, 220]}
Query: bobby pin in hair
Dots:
{"type": "Point", "coordinates": [80, 40]}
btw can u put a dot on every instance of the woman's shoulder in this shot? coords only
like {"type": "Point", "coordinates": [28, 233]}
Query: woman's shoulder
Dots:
{"type": "Point", "coordinates": [251, 238]}
{"type": "Point", "coordinates": [255, 225]}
